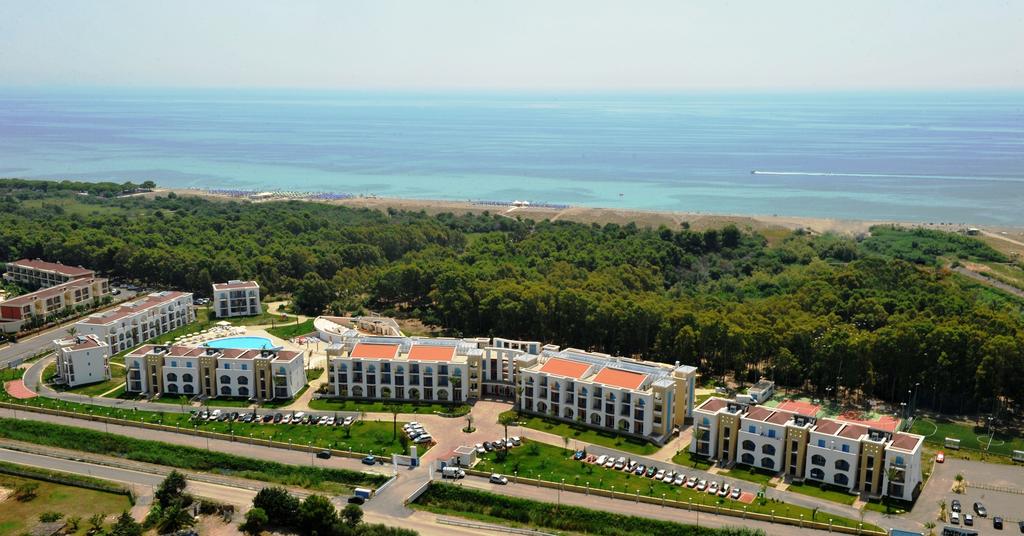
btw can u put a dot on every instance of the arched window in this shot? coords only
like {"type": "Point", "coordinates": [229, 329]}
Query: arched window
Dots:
{"type": "Point", "coordinates": [225, 390]}
{"type": "Point", "coordinates": [542, 407]}
{"type": "Point", "coordinates": [172, 388]}
{"type": "Point", "coordinates": [225, 379]}
{"type": "Point", "coordinates": [458, 372]}
{"type": "Point", "coordinates": [242, 380]}
{"type": "Point", "coordinates": [372, 369]}
{"type": "Point", "coordinates": [429, 371]}
{"type": "Point", "coordinates": [584, 392]}
{"type": "Point", "coordinates": [623, 425]}
{"type": "Point", "coordinates": [817, 474]}
{"type": "Point", "coordinates": [357, 390]}
{"type": "Point", "coordinates": [818, 459]}
{"type": "Point", "coordinates": [768, 449]}
{"type": "Point", "coordinates": [567, 413]}
{"type": "Point", "coordinates": [747, 458]}
{"type": "Point", "coordinates": [842, 465]}
{"type": "Point", "coordinates": [841, 479]}
{"type": "Point", "coordinates": [281, 371]}
{"type": "Point", "coordinates": [748, 445]}
{"type": "Point", "coordinates": [414, 393]}
{"type": "Point", "coordinates": [342, 367]}
{"type": "Point", "coordinates": [385, 392]}
{"type": "Point", "coordinates": [442, 394]}
{"type": "Point", "coordinates": [595, 419]}
{"type": "Point", "coordinates": [187, 378]}
{"type": "Point", "coordinates": [189, 389]}
{"type": "Point", "coordinates": [243, 391]}
{"type": "Point", "coordinates": [172, 377]}
{"type": "Point", "coordinates": [767, 463]}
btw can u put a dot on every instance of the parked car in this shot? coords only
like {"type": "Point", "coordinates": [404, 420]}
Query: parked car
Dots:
{"type": "Point", "coordinates": [691, 482]}
{"type": "Point", "coordinates": [660, 474]}
{"type": "Point", "coordinates": [980, 509]}
{"type": "Point", "coordinates": [425, 438]}
{"type": "Point", "coordinates": [724, 490]}
{"type": "Point", "coordinates": [702, 485]}
{"type": "Point", "coordinates": [516, 441]}
{"type": "Point", "coordinates": [324, 454]}
{"type": "Point", "coordinates": [620, 464]}
{"type": "Point", "coordinates": [215, 415]}
{"type": "Point", "coordinates": [287, 419]}
{"type": "Point", "coordinates": [631, 466]}
{"type": "Point", "coordinates": [640, 469]}
{"type": "Point", "coordinates": [651, 471]}
{"type": "Point", "coordinates": [968, 520]}
{"type": "Point", "coordinates": [713, 488]}
{"type": "Point", "coordinates": [298, 416]}
{"type": "Point", "coordinates": [736, 493]}
{"type": "Point", "coordinates": [323, 419]}
{"type": "Point", "coordinates": [954, 506]}
{"type": "Point", "coordinates": [668, 476]}
{"type": "Point", "coordinates": [369, 460]}
{"type": "Point", "coordinates": [480, 448]}
{"type": "Point", "coordinates": [579, 455]}
{"type": "Point", "coordinates": [610, 462]}
{"type": "Point", "coordinates": [940, 457]}
{"type": "Point", "coordinates": [954, 518]}
{"type": "Point", "coordinates": [498, 479]}
{"type": "Point", "coordinates": [601, 459]}
{"type": "Point", "coordinates": [679, 480]}
{"type": "Point", "coordinates": [330, 420]}
{"type": "Point", "coordinates": [997, 523]}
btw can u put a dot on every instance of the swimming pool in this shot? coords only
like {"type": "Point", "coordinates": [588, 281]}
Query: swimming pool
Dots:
{"type": "Point", "coordinates": [242, 343]}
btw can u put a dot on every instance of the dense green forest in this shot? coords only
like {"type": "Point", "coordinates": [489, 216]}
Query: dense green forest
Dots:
{"type": "Point", "coordinates": [875, 315]}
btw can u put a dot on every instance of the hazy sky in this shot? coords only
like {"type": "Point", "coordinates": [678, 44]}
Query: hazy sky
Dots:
{"type": "Point", "coordinates": [514, 44]}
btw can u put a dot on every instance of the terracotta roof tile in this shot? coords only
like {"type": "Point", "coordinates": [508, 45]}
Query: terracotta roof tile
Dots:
{"type": "Point", "coordinates": [375, 351]}
{"type": "Point", "coordinates": [421, 352]}
{"type": "Point", "coordinates": [565, 367]}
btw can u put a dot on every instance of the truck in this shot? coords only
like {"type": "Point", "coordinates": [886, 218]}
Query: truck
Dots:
{"type": "Point", "coordinates": [453, 472]}
{"type": "Point", "coordinates": [361, 495]}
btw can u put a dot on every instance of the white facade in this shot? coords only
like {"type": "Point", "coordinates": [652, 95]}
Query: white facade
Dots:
{"type": "Point", "coordinates": [903, 455]}
{"type": "Point", "coordinates": [134, 323]}
{"type": "Point", "coordinates": [397, 368]}
{"type": "Point", "coordinates": [833, 459]}
{"type": "Point", "coordinates": [761, 443]}
{"type": "Point", "coordinates": [82, 360]}
{"type": "Point", "coordinates": [236, 298]}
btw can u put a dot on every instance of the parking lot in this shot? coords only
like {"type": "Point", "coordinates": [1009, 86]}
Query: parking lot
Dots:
{"type": "Point", "coordinates": [985, 477]}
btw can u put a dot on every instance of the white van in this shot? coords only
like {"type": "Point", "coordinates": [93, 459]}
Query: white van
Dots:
{"type": "Point", "coordinates": [453, 472]}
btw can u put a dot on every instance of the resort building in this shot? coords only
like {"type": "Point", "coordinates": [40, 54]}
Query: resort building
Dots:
{"type": "Point", "coordinates": [236, 298]}
{"type": "Point", "coordinates": [793, 441]}
{"type": "Point", "coordinates": [42, 274]}
{"type": "Point", "coordinates": [644, 399]}
{"type": "Point", "coordinates": [82, 360]}
{"type": "Point", "coordinates": [134, 323]}
{"type": "Point", "coordinates": [49, 301]}
{"type": "Point", "coordinates": [174, 371]}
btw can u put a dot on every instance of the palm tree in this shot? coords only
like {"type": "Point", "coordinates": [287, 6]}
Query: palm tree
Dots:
{"type": "Point", "coordinates": [942, 510]}
{"type": "Point", "coordinates": [96, 522]}
{"type": "Point", "coordinates": [698, 435]}
{"type": "Point", "coordinates": [394, 410]}
{"type": "Point", "coordinates": [506, 419]}
{"type": "Point", "coordinates": [456, 382]}
{"type": "Point", "coordinates": [929, 525]}
{"type": "Point", "coordinates": [174, 519]}
{"type": "Point", "coordinates": [891, 473]}
{"type": "Point", "coordinates": [72, 331]}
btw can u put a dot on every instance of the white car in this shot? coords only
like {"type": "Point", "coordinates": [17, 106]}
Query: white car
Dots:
{"type": "Point", "coordinates": [736, 492]}
{"type": "Point", "coordinates": [724, 490]}
{"type": "Point", "coordinates": [713, 488]}
{"type": "Point", "coordinates": [610, 462]}
{"type": "Point", "coordinates": [679, 480]}
{"type": "Point", "coordinates": [287, 419]}
{"type": "Point", "coordinates": [669, 476]}
{"type": "Point", "coordinates": [425, 438]}
{"type": "Point", "coordinates": [601, 459]}
{"type": "Point", "coordinates": [702, 485]}
{"type": "Point", "coordinates": [954, 518]}
{"type": "Point", "coordinates": [620, 464]}
{"type": "Point", "coordinates": [498, 479]}
{"type": "Point", "coordinates": [348, 421]}
{"type": "Point", "coordinates": [631, 467]}
{"type": "Point", "coordinates": [480, 449]}
{"type": "Point", "coordinates": [323, 419]}
{"type": "Point", "coordinates": [330, 421]}
{"type": "Point", "coordinates": [215, 415]}
{"type": "Point", "coordinates": [660, 474]}
{"type": "Point", "coordinates": [516, 441]}
{"type": "Point", "coordinates": [298, 416]}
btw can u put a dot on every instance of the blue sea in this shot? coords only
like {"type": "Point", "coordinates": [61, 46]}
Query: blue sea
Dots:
{"type": "Point", "coordinates": [927, 157]}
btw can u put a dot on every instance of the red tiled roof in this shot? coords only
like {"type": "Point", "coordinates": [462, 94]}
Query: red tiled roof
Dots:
{"type": "Point", "coordinates": [853, 431]}
{"type": "Point", "coordinates": [565, 367]}
{"type": "Point", "coordinates": [141, 351]}
{"type": "Point", "coordinates": [905, 441]}
{"type": "Point", "coordinates": [713, 404]}
{"type": "Point", "coordinates": [49, 292]}
{"type": "Point", "coordinates": [86, 342]}
{"type": "Point", "coordinates": [235, 285]}
{"type": "Point", "coordinates": [38, 264]}
{"type": "Point", "coordinates": [423, 352]}
{"type": "Point", "coordinates": [133, 308]}
{"type": "Point", "coordinates": [827, 426]}
{"type": "Point", "coordinates": [620, 378]}
{"type": "Point", "coordinates": [375, 351]}
{"type": "Point", "coordinates": [758, 413]}
{"type": "Point", "coordinates": [780, 417]}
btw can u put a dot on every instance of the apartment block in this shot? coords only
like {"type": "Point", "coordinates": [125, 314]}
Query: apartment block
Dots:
{"type": "Point", "coordinates": [54, 299]}
{"type": "Point", "coordinates": [82, 360]}
{"type": "Point", "coordinates": [855, 455]}
{"type": "Point", "coordinates": [177, 370]}
{"type": "Point", "coordinates": [236, 298]}
{"type": "Point", "coordinates": [132, 324]}
{"type": "Point", "coordinates": [42, 274]}
{"type": "Point", "coordinates": [629, 396]}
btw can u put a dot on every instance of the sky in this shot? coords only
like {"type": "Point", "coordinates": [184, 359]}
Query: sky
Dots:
{"type": "Point", "coordinates": [511, 45]}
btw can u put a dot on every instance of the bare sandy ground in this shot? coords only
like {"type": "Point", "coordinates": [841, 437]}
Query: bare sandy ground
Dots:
{"type": "Point", "coordinates": [643, 218]}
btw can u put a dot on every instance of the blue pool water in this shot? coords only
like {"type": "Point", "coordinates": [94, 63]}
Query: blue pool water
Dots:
{"type": "Point", "coordinates": [242, 343]}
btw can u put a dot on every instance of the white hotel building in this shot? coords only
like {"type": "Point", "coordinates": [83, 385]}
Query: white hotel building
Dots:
{"type": "Point", "coordinates": [82, 360]}
{"type": "Point", "coordinates": [134, 323]}
{"type": "Point", "coordinates": [850, 455]}
{"type": "Point", "coordinates": [174, 371]}
{"type": "Point", "coordinates": [236, 298]}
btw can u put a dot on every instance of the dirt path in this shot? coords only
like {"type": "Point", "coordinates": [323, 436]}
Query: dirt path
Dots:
{"type": "Point", "coordinates": [986, 280]}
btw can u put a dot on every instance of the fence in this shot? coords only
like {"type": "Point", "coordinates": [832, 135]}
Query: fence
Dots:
{"type": "Point", "coordinates": [996, 488]}
{"type": "Point", "coordinates": [484, 526]}
{"type": "Point", "coordinates": [69, 480]}
{"type": "Point", "coordinates": [711, 509]}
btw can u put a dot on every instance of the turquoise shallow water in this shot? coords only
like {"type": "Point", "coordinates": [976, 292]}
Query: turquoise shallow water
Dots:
{"type": "Point", "coordinates": [908, 156]}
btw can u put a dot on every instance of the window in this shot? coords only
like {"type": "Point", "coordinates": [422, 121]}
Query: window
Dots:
{"type": "Point", "coordinates": [899, 460]}
{"type": "Point", "coordinates": [749, 445]}
{"type": "Point", "coordinates": [767, 463]}
{"type": "Point", "coordinates": [245, 366]}
{"type": "Point", "coordinates": [821, 443]}
{"type": "Point", "coordinates": [747, 458]}
{"type": "Point", "coordinates": [817, 474]}
{"type": "Point", "coordinates": [225, 379]}
{"type": "Point", "coordinates": [706, 421]}
{"type": "Point", "coordinates": [842, 465]}
{"type": "Point", "coordinates": [188, 364]}
{"type": "Point", "coordinates": [768, 449]}
{"type": "Point", "coordinates": [187, 378]}
{"type": "Point", "coordinates": [227, 366]}
{"type": "Point", "coordinates": [818, 459]}
{"type": "Point", "coordinates": [225, 390]}
{"type": "Point", "coordinates": [846, 448]}
{"type": "Point", "coordinates": [280, 370]}
{"type": "Point", "coordinates": [172, 377]}
{"type": "Point", "coordinates": [174, 364]}
{"type": "Point", "coordinates": [842, 479]}
{"type": "Point", "coordinates": [771, 433]}
{"type": "Point", "coordinates": [242, 380]}
{"type": "Point", "coordinates": [752, 429]}
{"type": "Point", "coordinates": [243, 391]}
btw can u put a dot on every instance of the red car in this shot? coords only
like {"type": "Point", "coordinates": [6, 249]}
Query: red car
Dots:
{"type": "Point", "coordinates": [940, 457]}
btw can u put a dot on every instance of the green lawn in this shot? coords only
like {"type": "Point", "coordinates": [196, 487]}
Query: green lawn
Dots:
{"type": "Point", "coordinates": [889, 506]}
{"type": "Point", "coordinates": [547, 462]}
{"type": "Point", "coordinates": [314, 373]}
{"type": "Point", "coordinates": [292, 330]}
{"type": "Point", "coordinates": [812, 489]}
{"type": "Point", "coordinates": [264, 318]}
{"type": "Point", "coordinates": [936, 432]}
{"type": "Point", "coordinates": [9, 374]}
{"type": "Point", "coordinates": [333, 404]}
{"type": "Point", "coordinates": [753, 474]}
{"type": "Point", "coordinates": [684, 457]}
{"type": "Point", "coordinates": [583, 433]}
{"type": "Point", "coordinates": [93, 389]}
{"type": "Point", "coordinates": [18, 517]}
{"type": "Point", "coordinates": [363, 436]}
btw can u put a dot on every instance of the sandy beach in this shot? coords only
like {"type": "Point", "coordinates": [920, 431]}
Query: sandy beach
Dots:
{"type": "Point", "coordinates": [1010, 240]}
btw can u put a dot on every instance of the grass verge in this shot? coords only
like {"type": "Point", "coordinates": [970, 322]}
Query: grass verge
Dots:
{"type": "Point", "coordinates": [502, 509]}
{"type": "Point", "coordinates": [181, 457]}
{"type": "Point", "coordinates": [292, 330]}
{"type": "Point", "coordinates": [688, 459]}
{"type": "Point", "coordinates": [828, 493]}
{"type": "Point", "coordinates": [18, 516]}
{"type": "Point", "coordinates": [582, 433]}
{"type": "Point", "coordinates": [752, 474]}
{"type": "Point", "coordinates": [333, 404]}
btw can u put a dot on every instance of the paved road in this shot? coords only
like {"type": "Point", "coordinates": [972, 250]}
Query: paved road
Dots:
{"type": "Point", "coordinates": [44, 340]}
